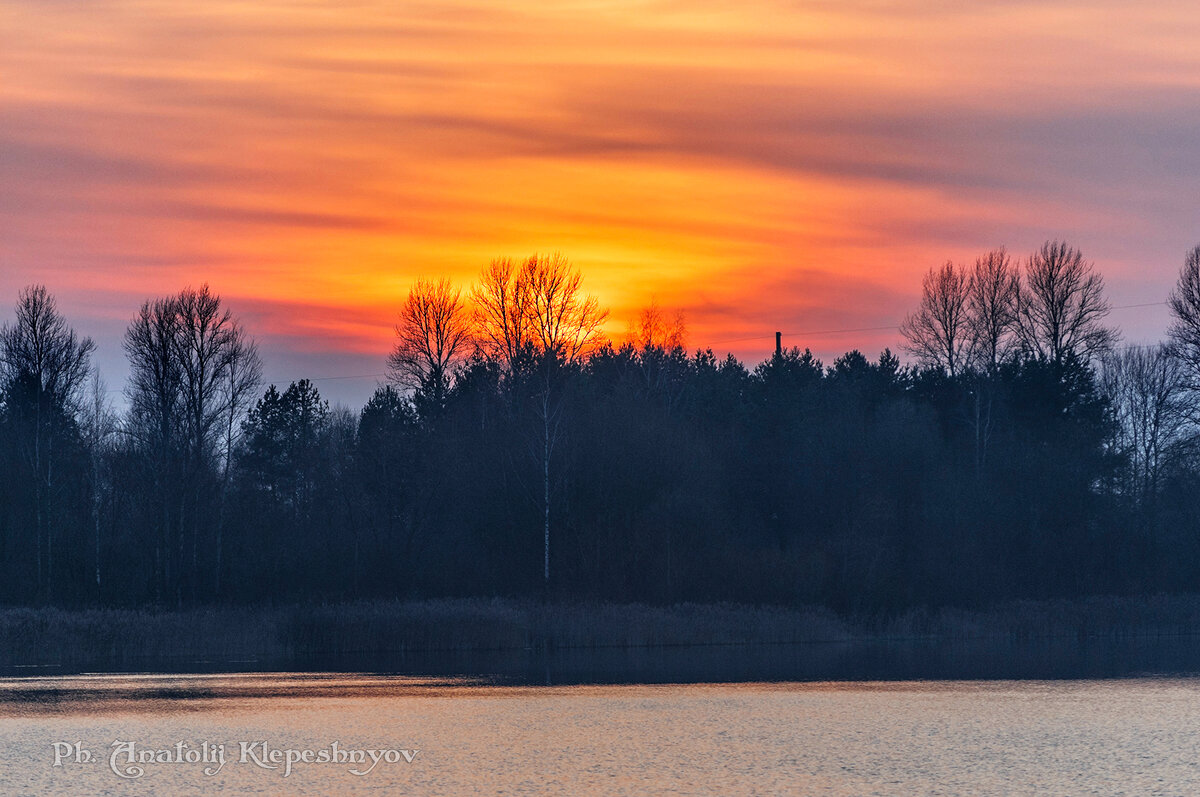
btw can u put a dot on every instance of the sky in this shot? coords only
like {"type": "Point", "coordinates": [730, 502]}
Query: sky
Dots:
{"type": "Point", "coordinates": [761, 166]}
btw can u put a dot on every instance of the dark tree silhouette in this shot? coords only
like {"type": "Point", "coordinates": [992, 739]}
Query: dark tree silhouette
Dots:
{"type": "Point", "coordinates": [433, 334]}
{"type": "Point", "coordinates": [1147, 389]}
{"type": "Point", "coordinates": [865, 485]}
{"type": "Point", "coordinates": [44, 365]}
{"type": "Point", "coordinates": [1061, 306]}
{"type": "Point", "coordinates": [192, 371]}
{"type": "Point", "coordinates": [537, 320]}
{"type": "Point", "coordinates": [1184, 302]}
{"type": "Point", "coordinates": [994, 293]}
{"type": "Point", "coordinates": [938, 333]}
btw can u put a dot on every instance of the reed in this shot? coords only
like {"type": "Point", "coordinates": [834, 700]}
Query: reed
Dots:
{"type": "Point", "coordinates": [120, 637]}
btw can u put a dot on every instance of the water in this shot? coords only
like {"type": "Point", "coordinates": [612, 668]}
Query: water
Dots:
{"type": "Point", "coordinates": [1110, 736]}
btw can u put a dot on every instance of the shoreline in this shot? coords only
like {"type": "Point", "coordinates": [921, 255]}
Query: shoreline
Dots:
{"type": "Point", "coordinates": [32, 638]}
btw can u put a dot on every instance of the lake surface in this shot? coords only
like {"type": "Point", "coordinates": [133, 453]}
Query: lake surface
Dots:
{"type": "Point", "coordinates": [1112, 736]}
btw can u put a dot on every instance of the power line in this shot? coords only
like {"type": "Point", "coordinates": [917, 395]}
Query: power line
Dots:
{"type": "Point", "coordinates": [282, 381]}
{"type": "Point", "coordinates": [1143, 304]}
{"type": "Point", "coordinates": [811, 332]}
{"type": "Point", "coordinates": [880, 329]}
{"type": "Point", "coordinates": [324, 378]}
{"type": "Point", "coordinates": [712, 343]}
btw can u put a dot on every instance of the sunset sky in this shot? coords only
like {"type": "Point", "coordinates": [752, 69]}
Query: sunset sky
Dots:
{"type": "Point", "coordinates": [761, 166]}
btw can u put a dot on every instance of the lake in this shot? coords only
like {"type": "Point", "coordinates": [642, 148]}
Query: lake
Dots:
{"type": "Point", "coordinates": [458, 736]}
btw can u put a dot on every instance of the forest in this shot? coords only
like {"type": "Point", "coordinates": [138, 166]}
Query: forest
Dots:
{"type": "Point", "coordinates": [1014, 448]}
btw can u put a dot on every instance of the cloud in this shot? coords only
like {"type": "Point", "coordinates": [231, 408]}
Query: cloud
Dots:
{"type": "Point", "coordinates": [763, 166]}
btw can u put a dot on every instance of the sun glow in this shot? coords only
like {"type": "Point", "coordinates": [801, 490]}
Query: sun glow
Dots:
{"type": "Point", "coordinates": [779, 166]}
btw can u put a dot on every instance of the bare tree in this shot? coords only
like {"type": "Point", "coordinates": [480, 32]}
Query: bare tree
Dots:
{"type": "Point", "coordinates": [153, 389]}
{"type": "Point", "coordinates": [155, 420]}
{"type": "Point", "coordinates": [193, 370]}
{"type": "Point", "coordinates": [40, 346]}
{"type": "Point", "coordinates": [207, 343]}
{"type": "Point", "coordinates": [1062, 306]}
{"type": "Point", "coordinates": [433, 333]}
{"type": "Point", "coordinates": [1147, 388]}
{"type": "Point", "coordinates": [538, 307]}
{"type": "Point", "coordinates": [539, 311]}
{"type": "Point", "coordinates": [502, 309]}
{"type": "Point", "coordinates": [564, 321]}
{"type": "Point", "coordinates": [656, 329]}
{"type": "Point", "coordinates": [1185, 313]}
{"type": "Point", "coordinates": [220, 368]}
{"type": "Point", "coordinates": [655, 342]}
{"type": "Point", "coordinates": [994, 290]}
{"type": "Point", "coordinates": [937, 334]}
{"type": "Point", "coordinates": [44, 366]}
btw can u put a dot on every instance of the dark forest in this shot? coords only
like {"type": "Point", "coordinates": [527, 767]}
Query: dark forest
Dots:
{"type": "Point", "coordinates": [1019, 450]}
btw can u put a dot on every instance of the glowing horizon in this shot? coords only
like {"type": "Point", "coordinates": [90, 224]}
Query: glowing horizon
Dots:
{"type": "Point", "coordinates": [790, 166]}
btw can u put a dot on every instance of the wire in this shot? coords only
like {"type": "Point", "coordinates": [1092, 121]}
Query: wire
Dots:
{"type": "Point", "coordinates": [325, 378]}
{"type": "Point", "coordinates": [714, 343]}
{"type": "Point", "coordinates": [883, 328]}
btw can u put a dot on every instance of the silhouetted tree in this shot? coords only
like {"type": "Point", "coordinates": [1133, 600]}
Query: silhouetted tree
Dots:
{"type": "Point", "coordinates": [503, 307]}
{"type": "Point", "coordinates": [192, 370]}
{"type": "Point", "coordinates": [654, 328]}
{"type": "Point", "coordinates": [390, 472]}
{"type": "Point", "coordinates": [282, 433]}
{"type": "Point", "coordinates": [1147, 389]}
{"type": "Point", "coordinates": [1184, 302]}
{"type": "Point", "coordinates": [44, 366]}
{"type": "Point", "coordinates": [1061, 308]}
{"type": "Point", "coordinates": [994, 291]}
{"type": "Point", "coordinates": [938, 333]}
{"type": "Point", "coordinates": [99, 425]}
{"type": "Point", "coordinates": [156, 425]}
{"type": "Point", "coordinates": [537, 320]}
{"type": "Point", "coordinates": [864, 486]}
{"type": "Point", "coordinates": [655, 342]}
{"type": "Point", "coordinates": [433, 334]}
{"type": "Point", "coordinates": [284, 480]}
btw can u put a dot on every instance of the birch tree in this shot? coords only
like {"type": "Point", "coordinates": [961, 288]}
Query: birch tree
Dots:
{"type": "Point", "coordinates": [536, 320]}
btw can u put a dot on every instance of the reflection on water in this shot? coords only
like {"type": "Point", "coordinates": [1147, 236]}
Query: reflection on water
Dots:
{"type": "Point", "coordinates": [982, 717]}
{"type": "Point", "coordinates": [148, 692]}
{"type": "Point", "coordinates": [1134, 736]}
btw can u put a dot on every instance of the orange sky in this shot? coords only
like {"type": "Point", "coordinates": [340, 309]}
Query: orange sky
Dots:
{"type": "Point", "coordinates": [762, 166]}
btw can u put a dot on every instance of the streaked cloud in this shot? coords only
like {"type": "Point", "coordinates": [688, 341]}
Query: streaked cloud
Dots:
{"type": "Point", "coordinates": [774, 165]}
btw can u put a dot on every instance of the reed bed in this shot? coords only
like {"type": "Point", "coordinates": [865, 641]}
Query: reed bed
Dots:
{"type": "Point", "coordinates": [116, 637]}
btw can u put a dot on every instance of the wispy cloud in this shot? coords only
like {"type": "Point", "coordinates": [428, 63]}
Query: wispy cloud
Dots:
{"type": "Point", "coordinates": [772, 165]}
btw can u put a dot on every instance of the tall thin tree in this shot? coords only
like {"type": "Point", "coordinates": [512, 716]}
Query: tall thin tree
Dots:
{"type": "Point", "coordinates": [44, 366]}
{"type": "Point", "coordinates": [538, 315]}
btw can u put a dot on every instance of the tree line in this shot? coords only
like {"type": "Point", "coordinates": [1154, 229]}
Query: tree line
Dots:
{"type": "Point", "coordinates": [516, 451]}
